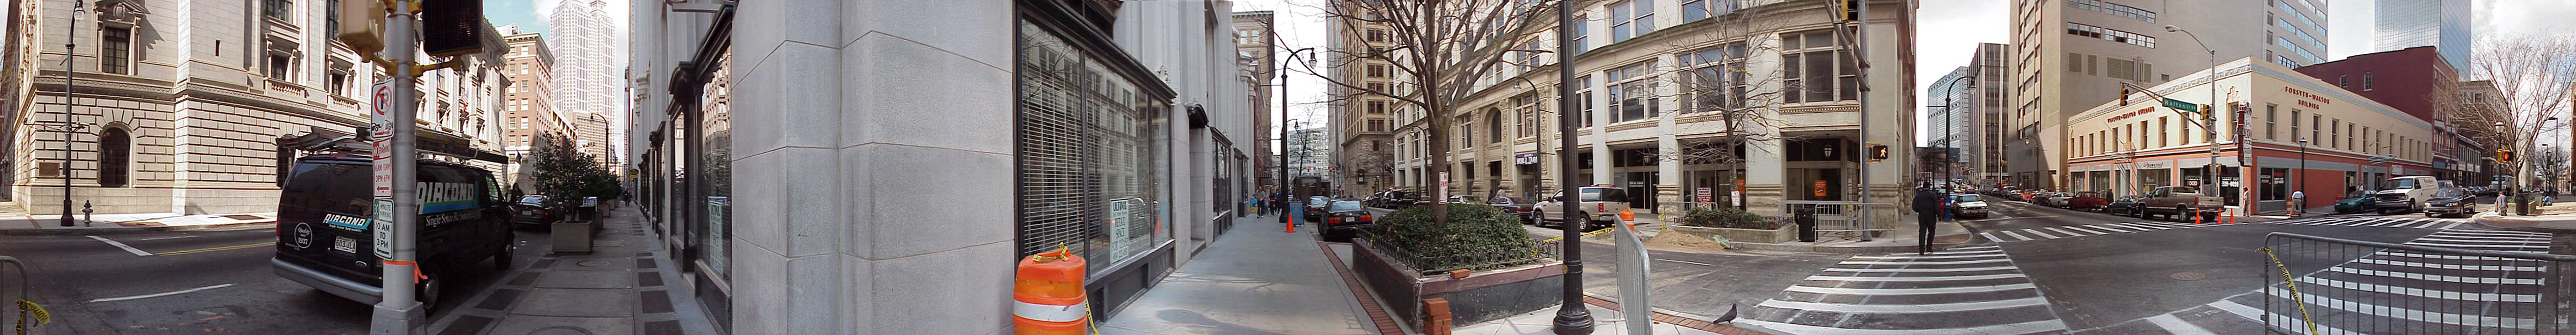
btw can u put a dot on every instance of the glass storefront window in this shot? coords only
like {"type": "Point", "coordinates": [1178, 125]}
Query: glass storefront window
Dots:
{"type": "Point", "coordinates": [1093, 155]}
{"type": "Point", "coordinates": [716, 174]}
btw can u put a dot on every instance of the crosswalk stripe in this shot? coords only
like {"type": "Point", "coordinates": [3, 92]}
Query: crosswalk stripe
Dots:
{"type": "Point", "coordinates": [2176, 326]}
{"type": "Point", "coordinates": [1907, 308]}
{"type": "Point", "coordinates": [1929, 256]}
{"type": "Point", "coordinates": [2467, 233]}
{"type": "Point", "coordinates": [2018, 236]}
{"type": "Point", "coordinates": [2455, 245]}
{"type": "Point", "coordinates": [2049, 325]}
{"type": "Point", "coordinates": [1946, 278]}
{"type": "Point", "coordinates": [2438, 237]}
{"type": "Point", "coordinates": [1907, 291]}
{"type": "Point", "coordinates": [2449, 266]}
{"type": "Point", "coordinates": [2408, 314]}
{"type": "Point", "coordinates": [1926, 262]}
{"type": "Point", "coordinates": [1974, 269]}
{"type": "Point", "coordinates": [2455, 257]}
{"type": "Point", "coordinates": [2095, 232]}
{"type": "Point", "coordinates": [2067, 232]}
{"type": "Point", "coordinates": [2495, 232]}
{"type": "Point", "coordinates": [2454, 279]}
{"type": "Point", "coordinates": [2162, 224]}
{"type": "Point", "coordinates": [2141, 227]}
{"type": "Point", "coordinates": [2444, 227]}
{"type": "Point", "coordinates": [2114, 228]}
{"type": "Point", "coordinates": [2286, 321]}
{"type": "Point", "coordinates": [2431, 223]}
{"type": "Point", "coordinates": [1989, 237]}
{"type": "Point", "coordinates": [2419, 292]}
{"type": "Point", "coordinates": [2037, 232]}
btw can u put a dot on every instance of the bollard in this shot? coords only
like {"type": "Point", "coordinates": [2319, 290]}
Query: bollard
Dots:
{"type": "Point", "coordinates": [1047, 295]}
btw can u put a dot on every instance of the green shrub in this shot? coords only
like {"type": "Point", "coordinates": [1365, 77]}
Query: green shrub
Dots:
{"type": "Point", "coordinates": [1477, 236]}
{"type": "Point", "coordinates": [1728, 217]}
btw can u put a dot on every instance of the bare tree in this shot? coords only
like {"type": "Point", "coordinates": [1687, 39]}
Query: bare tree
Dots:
{"type": "Point", "coordinates": [1716, 78]}
{"type": "Point", "coordinates": [1441, 48]}
{"type": "Point", "coordinates": [2519, 84]}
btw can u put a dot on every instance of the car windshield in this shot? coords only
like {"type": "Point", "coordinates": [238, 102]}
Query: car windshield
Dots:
{"type": "Point", "coordinates": [2453, 193]}
{"type": "Point", "coordinates": [1345, 206]}
{"type": "Point", "coordinates": [1965, 198]}
{"type": "Point", "coordinates": [1318, 201]}
{"type": "Point", "coordinates": [2399, 184]}
{"type": "Point", "coordinates": [533, 200]}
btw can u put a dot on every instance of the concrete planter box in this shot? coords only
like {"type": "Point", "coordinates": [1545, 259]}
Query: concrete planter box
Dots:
{"type": "Point", "coordinates": [1481, 296]}
{"type": "Point", "coordinates": [1785, 233]}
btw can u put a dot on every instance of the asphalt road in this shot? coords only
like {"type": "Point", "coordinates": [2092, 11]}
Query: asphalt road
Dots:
{"type": "Point", "coordinates": [197, 282]}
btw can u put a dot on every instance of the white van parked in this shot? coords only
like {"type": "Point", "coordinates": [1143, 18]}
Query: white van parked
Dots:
{"type": "Point", "coordinates": [2404, 194]}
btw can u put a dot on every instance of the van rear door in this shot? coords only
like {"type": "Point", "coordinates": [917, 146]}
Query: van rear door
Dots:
{"type": "Point", "coordinates": [322, 218]}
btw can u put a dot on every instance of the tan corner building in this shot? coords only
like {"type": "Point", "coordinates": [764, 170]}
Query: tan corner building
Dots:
{"type": "Point", "coordinates": [2351, 143]}
{"type": "Point", "coordinates": [1365, 127]}
{"type": "Point", "coordinates": [2070, 55]}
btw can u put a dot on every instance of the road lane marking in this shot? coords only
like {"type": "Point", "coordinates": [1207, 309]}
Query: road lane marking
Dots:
{"type": "Point", "coordinates": [1908, 308]}
{"type": "Point", "coordinates": [2162, 224]}
{"type": "Point", "coordinates": [164, 238]}
{"type": "Point", "coordinates": [2009, 328]}
{"type": "Point", "coordinates": [221, 248]}
{"type": "Point", "coordinates": [1990, 237]}
{"type": "Point", "coordinates": [2448, 227]}
{"type": "Point", "coordinates": [2454, 279]}
{"type": "Point", "coordinates": [137, 252]}
{"type": "Point", "coordinates": [2068, 233]}
{"type": "Point", "coordinates": [1981, 268]}
{"type": "Point", "coordinates": [2439, 237]}
{"type": "Point", "coordinates": [1948, 278]}
{"type": "Point", "coordinates": [2409, 314]}
{"type": "Point", "coordinates": [2454, 245]}
{"type": "Point", "coordinates": [2177, 326]}
{"type": "Point", "coordinates": [2454, 257]}
{"type": "Point", "coordinates": [156, 295]}
{"type": "Point", "coordinates": [2100, 231]}
{"type": "Point", "coordinates": [2431, 224]}
{"type": "Point", "coordinates": [2288, 321]}
{"type": "Point", "coordinates": [2492, 232]}
{"type": "Point", "coordinates": [2036, 232]}
{"type": "Point", "coordinates": [1981, 254]}
{"type": "Point", "coordinates": [2395, 222]}
{"type": "Point", "coordinates": [1906, 291]}
{"type": "Point", "coordinates": [2449, 266]}
{"type": "Point", "coordinates": [1687, 262]}
{"type": "Point", "coordinates": [1929, 262]}
{"type": "Point", "coordinates": [2115, 228]}
{"type": "Point", "coordinates": [2427, 293]}
{"type": "Point", "coordinates": [2008, 232]}
{"type": "Point", "coordinates": [2139, 227]}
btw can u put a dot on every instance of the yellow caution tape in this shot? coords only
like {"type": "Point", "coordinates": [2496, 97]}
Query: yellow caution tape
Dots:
{"type": "Point", "coordinates": [2294, 289]}
{"type": "Point", "coordinates": [27, 309]}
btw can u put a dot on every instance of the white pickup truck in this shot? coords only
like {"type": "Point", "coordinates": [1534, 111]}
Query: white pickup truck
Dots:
{"type": "Point", "coordinates": [2403, 194]}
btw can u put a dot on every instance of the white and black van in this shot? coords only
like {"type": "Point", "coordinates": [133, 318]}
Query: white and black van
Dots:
{"type": "Point", "coordinates": [325, 236]}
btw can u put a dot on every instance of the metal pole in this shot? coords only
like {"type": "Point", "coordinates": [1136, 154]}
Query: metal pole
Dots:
{"type": "Point", "coordinates": [1282, 204]}
{"type": "Point", "coordinates": [398, 312]}
{"type": "Point", "coordinates": [1572, 318]}
{"type": "Point", "coordinates": [70, 48]}
{"type": "Point", "coordinates": [2300, 179]}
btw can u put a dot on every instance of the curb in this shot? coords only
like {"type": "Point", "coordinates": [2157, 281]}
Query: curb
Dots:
{"type": "Point", "coordinates": [1679, 319]}
{"type": "Point", "coordinates": [1937, 243]}
{"type": "Point", "coordinates": [128, 230]}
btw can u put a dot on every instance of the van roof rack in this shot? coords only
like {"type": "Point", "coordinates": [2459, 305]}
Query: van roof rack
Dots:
{"type": "Point", "coordinates": [325, 140]}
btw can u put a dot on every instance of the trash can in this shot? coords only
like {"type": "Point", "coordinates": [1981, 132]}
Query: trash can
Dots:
{"type": "Point", "coordinates": [1805, 216]}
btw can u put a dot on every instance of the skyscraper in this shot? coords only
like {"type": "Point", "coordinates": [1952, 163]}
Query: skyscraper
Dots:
{"type": "Point", "coordinates": [2443, 24]}
{"type": "Point", "coordinates": [588, 75]}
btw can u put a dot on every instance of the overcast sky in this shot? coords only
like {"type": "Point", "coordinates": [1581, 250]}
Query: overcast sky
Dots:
{"type": "Point", "coordinates": [1952, 28]}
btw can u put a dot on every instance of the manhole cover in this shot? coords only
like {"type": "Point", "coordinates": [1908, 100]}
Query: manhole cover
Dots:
{"type": "Point", "coordinates": [2189, 276]}
{"type": "Point", "coordinates": [591, 263]}
{"type": "Point", "coordinates": [559, 330]}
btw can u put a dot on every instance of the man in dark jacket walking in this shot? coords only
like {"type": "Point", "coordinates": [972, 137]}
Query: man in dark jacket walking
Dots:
{"type": "Point", "coordinates": [1927, 209]}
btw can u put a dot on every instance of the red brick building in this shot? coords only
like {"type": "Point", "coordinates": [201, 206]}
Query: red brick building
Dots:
{"type": "Point", "coordinates": [2405, 79]}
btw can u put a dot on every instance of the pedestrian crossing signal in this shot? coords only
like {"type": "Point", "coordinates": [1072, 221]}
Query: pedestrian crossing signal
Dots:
{"type": "Point", "coordinates": [2504, 155]}
{"type": "Point", "coordinates": [1877, 152]}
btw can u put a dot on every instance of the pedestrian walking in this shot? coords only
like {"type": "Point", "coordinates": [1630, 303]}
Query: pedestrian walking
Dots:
{"type": "Point", "coordinates": [1927, 206]}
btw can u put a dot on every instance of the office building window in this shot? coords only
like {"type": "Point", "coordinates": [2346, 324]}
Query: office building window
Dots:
{"type": "Point", "coordinates": [2365, 81]}
{"type": "Point", "coordinates": [1815, 69]}
{"type": "Point", "coordinates": [116, 50]}
{"type": "Point", "coordinates": [1582, 33]}
{"type": "Point", "coordinates": [1713, 78]}
{"type": "Point", "coordinates": [278, 9]}
{"type": "Point", "coordinates": [1583, 93]}
{"type": "Point", "coordinates": [2108, 34]}
{"type": "Point", "coordinates": [1376, 107]}
{"type": "Point", "coordinates": [1632, 92]}
{"type": "Point", "coordinates": [2271, 122]}
{"type": "Point", "coordinates": [1631, 19]}
{"type": "Point", "coordinates": [1377, 71]}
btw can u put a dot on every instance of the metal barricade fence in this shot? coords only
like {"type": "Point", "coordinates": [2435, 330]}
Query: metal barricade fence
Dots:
{"type": "Point", "coordinates": [1845, 219]}
{"type": "Point", "coordinates": [2326, 285]}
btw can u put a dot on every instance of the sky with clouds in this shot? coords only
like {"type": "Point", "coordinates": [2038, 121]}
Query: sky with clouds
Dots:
{"type": "Point", "coordinates": [1952, 28]}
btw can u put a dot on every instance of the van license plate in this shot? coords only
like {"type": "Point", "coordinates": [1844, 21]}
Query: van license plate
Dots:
{"type": "Point", "coordinates": [344, 244]}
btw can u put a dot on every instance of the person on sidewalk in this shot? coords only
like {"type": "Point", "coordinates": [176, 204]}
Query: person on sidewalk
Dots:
{"type": "Point", "coordinates": [2298, 203]}
{"type": "Point", "coordinates": [1927, 206]}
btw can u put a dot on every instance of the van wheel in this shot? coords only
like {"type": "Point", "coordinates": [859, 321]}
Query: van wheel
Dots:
{"type": "Point", "coordinates": [427, 291]}
{"type": "Point", "coordinates": [501, 261]}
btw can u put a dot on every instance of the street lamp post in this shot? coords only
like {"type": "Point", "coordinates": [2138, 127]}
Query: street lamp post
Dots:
{"type": "Point", "coordinates": [1284, 218]}
{"type": "Point", "coordinates": [2209, 128]}
{"type": "Point", "coordinates": [70, 48]}
{"type": "Point", "coordinates": [1572, 318]}
{"type": "Point", "coordinates": [2300, 179]}
{"type": "Point", "coordinates": [1949, 126]}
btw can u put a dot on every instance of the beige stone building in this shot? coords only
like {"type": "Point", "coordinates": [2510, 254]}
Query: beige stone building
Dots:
{"type": "Point", "coordinates": [2350, 142]}
{"type": "Point", "coordinates": [528, 109]}
{"type": "Point", "coordinates": [181, 103]}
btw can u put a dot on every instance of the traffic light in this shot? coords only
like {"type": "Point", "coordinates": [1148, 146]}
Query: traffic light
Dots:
{"type": "Point", "coordinates": [1851, 10]}
{"type": "Point", "coordinates": [362, 25]}
{"type": "Point", "coordinates": [1877, 152]}
{"type": "Point", "coordinates": [2124, 94]}
{"type": "Point", "coordinates": [451, 27]}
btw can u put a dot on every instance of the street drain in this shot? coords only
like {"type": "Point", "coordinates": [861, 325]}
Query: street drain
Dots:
{"type": "Point", "coordinates": [2189, 276]}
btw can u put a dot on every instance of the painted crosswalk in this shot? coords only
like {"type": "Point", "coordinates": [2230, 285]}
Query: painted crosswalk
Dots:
{"type": "Point", "coordinates": [2097, 229]}
{"type": "Point", "coordinates": [2377, 221]}
{"type": "Point", "coordinates": [1968, 290]}
{"type": "Point", "coordinates": [2389, 291]}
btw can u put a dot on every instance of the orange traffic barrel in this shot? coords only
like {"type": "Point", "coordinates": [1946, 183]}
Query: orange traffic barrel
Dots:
{"type": "Point", "coordinates": [1047, 297]}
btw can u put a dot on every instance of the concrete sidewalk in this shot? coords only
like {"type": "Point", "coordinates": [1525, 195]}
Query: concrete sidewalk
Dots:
{"type": "Point", "coordinates": [626, 285]}
{"type": "Point", "coordinates": [1255, 279]}
{"type": "Point", "coordinates": [23, 224]}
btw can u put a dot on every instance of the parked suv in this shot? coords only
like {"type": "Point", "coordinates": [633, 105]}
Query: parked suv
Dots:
{"type": "Point", "coordinates": [325, 237]}
{"type": "Point", "coordinates": [1600, 204]}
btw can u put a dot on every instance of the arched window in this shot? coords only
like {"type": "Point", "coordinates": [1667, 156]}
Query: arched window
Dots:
{"type": "Point", "coordinates": [115, 148]}
{"type": "Point", "coordinates": [1493, 125]}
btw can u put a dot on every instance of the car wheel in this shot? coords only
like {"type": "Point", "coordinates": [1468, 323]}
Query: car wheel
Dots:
{"type": "Point", "coordinates": [428, 290]}
{"type": "Point", "coordinates": [509, 248]}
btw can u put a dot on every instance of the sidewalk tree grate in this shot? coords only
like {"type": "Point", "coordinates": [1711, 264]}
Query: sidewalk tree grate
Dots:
{"type": "Point", "coordinates": [657, 301]}
{"type": "Point", "coordinates": [646, 263]}
{"type": "Point", "coordinates": [648, 279]}
{"type": "Point", "coordinates": [665, 327]}
{"type": "Point", "coordinates": [499, 300]}
{"type": "Point", "coordinates": [525, 278]}
{"type": "Point", "coordinates": [467, 325]}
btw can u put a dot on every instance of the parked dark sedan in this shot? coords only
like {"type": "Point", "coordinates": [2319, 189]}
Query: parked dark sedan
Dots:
{"type": "Point", "coordinates": [1346, 219]}
{"type": "Point", "coordinates": [2125, 206]}
{"type": "Point", "coordinates": [1516, 206]}
{"type": "Point", "coordinates": [532, 209]}
{"type": "Point", "coordinates": [1315, 207]}
{"type": "Point", "coordinates": [2355, 204]}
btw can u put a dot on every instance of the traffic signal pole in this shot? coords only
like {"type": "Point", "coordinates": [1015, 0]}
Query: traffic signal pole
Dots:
{"type": "Point", "coordinates": [399, 312]}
